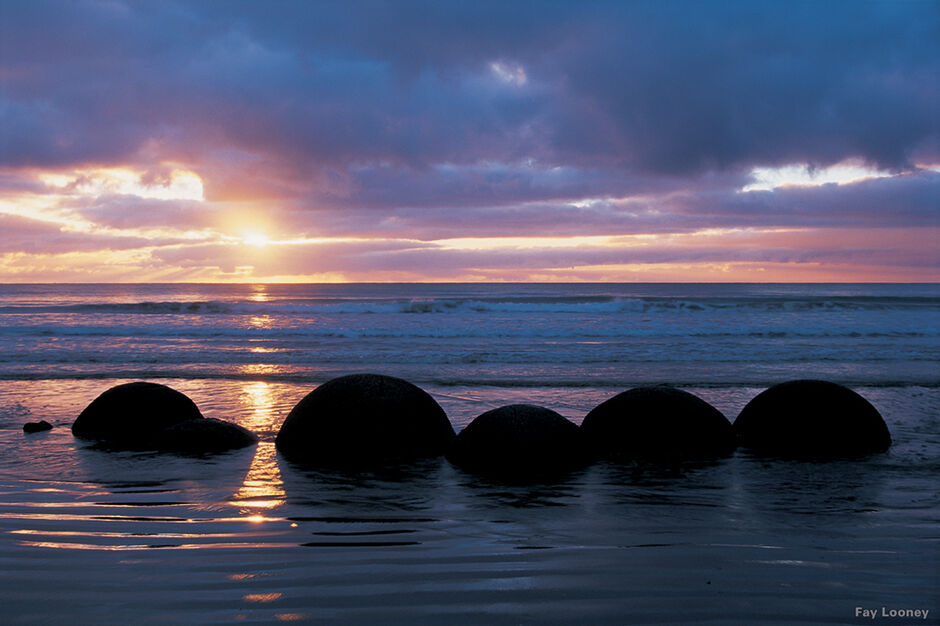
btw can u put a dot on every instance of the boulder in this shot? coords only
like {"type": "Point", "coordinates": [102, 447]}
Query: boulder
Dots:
{"type": "Point", "coordinates": [205, 435]}
{"type": "Point", "coordinates": [36, 427]}
{"type": "Point", "coordinates": [519, 441]}
{"type": "Point", "coordinates": [131, 415]}
{"type": "Point", "coordinates": [811, 418]}
{"type": "Point", "coordinates": [364, 419]}
{"type": "Point", "coordinates": [657, 423]}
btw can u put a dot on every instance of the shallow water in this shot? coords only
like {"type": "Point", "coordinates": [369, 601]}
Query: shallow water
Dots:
{"type": "Point", "coordinates": [88, 536]}
{"type": "Point", "coordinates": [496, 335]}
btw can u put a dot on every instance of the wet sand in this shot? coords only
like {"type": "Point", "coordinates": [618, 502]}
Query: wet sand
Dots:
{"type": "Point", "coordinates": [100, 537]}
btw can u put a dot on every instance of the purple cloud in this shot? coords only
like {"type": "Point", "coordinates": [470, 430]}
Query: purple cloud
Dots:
{"type": "Point", "coordinates": [427, 120]}
{"type": "Point", "coordinates": [31, 236]}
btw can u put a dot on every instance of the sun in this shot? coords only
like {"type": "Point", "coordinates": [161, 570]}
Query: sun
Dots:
{"type": "Point", "coordinates": [255, 238]}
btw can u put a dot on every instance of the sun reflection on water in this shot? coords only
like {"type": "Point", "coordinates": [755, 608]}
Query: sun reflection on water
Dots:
{"type": "Point", "coordinates": [262, 488]}
{"type": "Point", "coordinates": [290, 617]}
{"type": "Point", "coordinates": [261, 369]}
{"type": "Point", "coordinates": [262, 350]}
{"type": "Point", "coordinates": [258, 398]}
{"type": "Point", "coordinates": [262, 597]}
{"type": "Point", "coordinates": [261, 321]}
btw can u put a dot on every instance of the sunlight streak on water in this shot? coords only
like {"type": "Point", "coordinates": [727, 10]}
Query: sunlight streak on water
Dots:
{"type": "Point", "coordinates": [262, 487]}
{"type": "Point", "coordinates": [263, 369]}
{"type": "Point", "coordinates": [261, 321]}
{"type": "Point", "coordinates": [262, 597]}
{"type": "Point", "coordinates": [259, 294]}
{"type": "Point", "coordinates": [117, 535]}
{"type": "Point", "coordinates": [132, 547]}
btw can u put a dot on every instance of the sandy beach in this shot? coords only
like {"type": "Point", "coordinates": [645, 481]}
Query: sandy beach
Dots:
{"type": "Point", "coordinates": [88, 536]}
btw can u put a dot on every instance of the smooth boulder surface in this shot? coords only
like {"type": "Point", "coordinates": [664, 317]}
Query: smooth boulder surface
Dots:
{"type": "Point", "coordinates": [519, 441]}
{"type": "Point", "coordinates": [131, 415]}
{"type": "Point", "coordinates": [364, 419]}
{"type": "Point", "coordinates": [205, 435]}
{"type": "Point", "coordinates": [657, 423]}
{"type": "Point", "coordinates": [811, 418]}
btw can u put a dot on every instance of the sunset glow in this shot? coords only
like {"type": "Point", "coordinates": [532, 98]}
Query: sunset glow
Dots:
{"type": "Point", "coordinates": [504, 151]}
{"type": "Point", "coordinates": [255, 238]}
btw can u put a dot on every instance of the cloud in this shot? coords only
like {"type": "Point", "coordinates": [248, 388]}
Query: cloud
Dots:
{"type": "Point", "coordinates": [443, 260]}
{"type": "Point", "coordinates": [419, 121]}
{"type": "Point", "coordinates": [674, 88]}
{"type": "Point", "coordinates": [133, 212]}
{"type": "Point", "coordinates": [26, 235]}
{"type": "Point", "coordinates": [900, 201]}
{"type": "Point", "coordinates": [906, 201]}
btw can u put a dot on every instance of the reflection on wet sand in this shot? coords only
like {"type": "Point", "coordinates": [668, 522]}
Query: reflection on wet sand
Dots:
{"type": "Point", "coordinates": [486, 493]}
{"type": "Point", "coordinates": [179, 538]}
{"type": "Point", "coordinates": [412, 487]}
{"type": "Point", "coordinates": [262, 597]}
{"type": "Point", "coordinates": [262, 488]}
{"type": "Point", "coordinates": [258, 400]}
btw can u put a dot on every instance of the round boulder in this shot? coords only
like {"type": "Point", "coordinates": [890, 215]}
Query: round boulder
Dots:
{"type": "Point", "coordinates": [657, 423]}
{"type": "Point", "coordinates": [519, 441]}
{"type": "Point", "coordinates": [207, 435]}
{"type": "Point", "coordinates": [364, 419]}
{"type": "Point", "coordinates": [131, 415]}
{"type": "Point", "coordinates": [811, 418]}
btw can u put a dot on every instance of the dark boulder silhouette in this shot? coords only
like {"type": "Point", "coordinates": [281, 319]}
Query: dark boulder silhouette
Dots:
{"type": "Point", "coordinates": [36, 427]}
{"type": "Point", "coordinates": [364, 420]}
{"type": "Point", "coordinates": [132, 414]}
{"type": "Point", "coordinates": [811, 418]}
{"type": "Point", "coordinates": [150, 416]}
{"type": "Point", "coordinates": [657, 423]}
{"type": "Point", "coordinates": [519, 441]}
{"type": "Point", "coordinates": [205, 435]}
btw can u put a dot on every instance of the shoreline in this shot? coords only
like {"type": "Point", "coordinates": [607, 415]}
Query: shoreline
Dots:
{"type": "Point", "coordinates": [93, 536]}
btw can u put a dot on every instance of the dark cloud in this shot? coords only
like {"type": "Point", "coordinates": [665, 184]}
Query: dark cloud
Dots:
{"type": "Point", "coordinates": [407, 120]}
{"type": "Point", "coordinates": [898, 201]}
{"type": "Point", "coordinates": [675, 87]}
{"type": "Point", "coordinates": [697, 86]}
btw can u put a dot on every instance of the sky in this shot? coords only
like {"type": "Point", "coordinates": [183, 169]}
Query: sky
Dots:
{"type": "Point", "coordinates": [469, 141]}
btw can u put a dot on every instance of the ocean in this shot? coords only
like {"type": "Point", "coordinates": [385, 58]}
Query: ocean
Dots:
{"type": "Point", "coordinates": [90, 536]}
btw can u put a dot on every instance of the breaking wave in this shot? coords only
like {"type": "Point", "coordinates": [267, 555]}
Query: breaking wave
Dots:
{"type": "Point", "coordinates": [543, 305]}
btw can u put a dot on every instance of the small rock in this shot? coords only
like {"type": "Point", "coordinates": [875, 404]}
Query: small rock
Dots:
{"type": "Point", "coordinates": [36, 427]}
